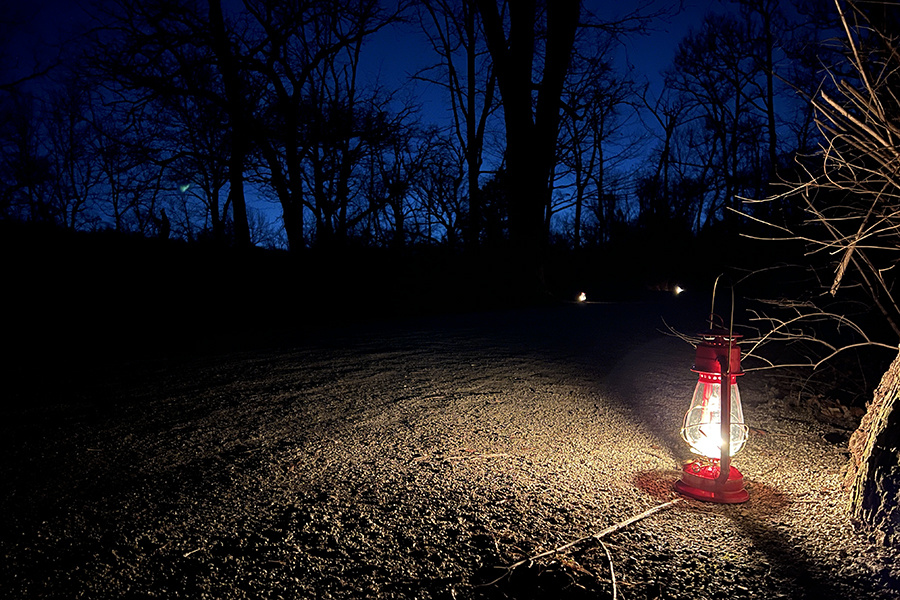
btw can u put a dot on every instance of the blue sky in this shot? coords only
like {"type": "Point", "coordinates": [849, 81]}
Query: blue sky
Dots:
{"type": "Point", "coordinates": [401, 51]}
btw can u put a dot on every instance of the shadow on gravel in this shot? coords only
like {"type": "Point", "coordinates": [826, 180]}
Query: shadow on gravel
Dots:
{"type": "Point", "coordinates": [560, 578]}
{"type": "Point", "coordinates": [790, 561]}
{"type": "Point", "coordinates": [787, 558]}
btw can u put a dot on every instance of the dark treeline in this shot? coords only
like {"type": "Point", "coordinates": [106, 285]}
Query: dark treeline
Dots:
{"type": "Point", "coordinates": [254, 123]}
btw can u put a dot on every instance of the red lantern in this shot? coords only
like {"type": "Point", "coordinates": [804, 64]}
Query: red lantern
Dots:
{"type": "Point", "coordinates": [714, 424]}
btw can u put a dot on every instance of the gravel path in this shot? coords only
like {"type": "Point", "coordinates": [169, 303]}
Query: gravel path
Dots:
{"type": "Point", "coordinates": [415, 459]}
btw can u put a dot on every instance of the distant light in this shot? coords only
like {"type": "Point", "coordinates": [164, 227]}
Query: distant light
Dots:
{"type": "Point", "coordinates": [582, 297]}
{"type": "Point", "coordinates": [678, 289]}
{"type": "Point", "coordinates": [184, 187]}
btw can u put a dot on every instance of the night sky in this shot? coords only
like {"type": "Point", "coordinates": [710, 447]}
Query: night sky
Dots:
{"type": "Point", "coordinates": [35, 28]}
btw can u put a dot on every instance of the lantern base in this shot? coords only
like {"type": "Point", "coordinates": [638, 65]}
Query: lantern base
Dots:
{"type": "Point", "coordinates": [698, 481]}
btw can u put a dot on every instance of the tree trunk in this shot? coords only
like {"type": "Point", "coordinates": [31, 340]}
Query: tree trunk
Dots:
{"type": "Point", "coordinates": [473, 152]}
{"type": "Point", "coordinates": [292, 216]}
{"type": "Point", "coordinates": [874, 470]}
{"type": "Point", "coordinates": [293, 210]}
{"type": "Point", "coordinates": [240, 138]}
{"type": "Point", "coordinates": [770, 95]}
{"type": "Point", "coordinates": [236, 187]}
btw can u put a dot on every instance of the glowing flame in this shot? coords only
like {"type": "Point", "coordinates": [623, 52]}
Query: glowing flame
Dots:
{"type": "Point", "coordinates": [582, 297]}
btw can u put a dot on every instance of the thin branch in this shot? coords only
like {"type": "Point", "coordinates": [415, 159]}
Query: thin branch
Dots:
{"type": "Point", "coordinates": [612, 572]}
{"type": "Point", "coordinates": [596, 536]}
{"type": "Point", "coordinates": [843, 112]}
{"type": "Point", "coordinates": [816, 365]}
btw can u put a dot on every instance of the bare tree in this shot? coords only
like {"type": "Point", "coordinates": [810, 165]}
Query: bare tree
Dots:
{"type": "Point", "coordinates": [597, 108]}
{"type": "Point", "coordinates": [717, 72]}
{"type": "Point", "coordinates": [392, 172]}
{"type": "Point", "coordinates": [467, 75]}
{"type": "Point", "coordinates": [851, 199]}
{"type": "Point", "coordinates": [437, 189]}
{"type": "Point", "coordinates": [531, 44]}
{"type": "Point", "coordinates": [768, 34]}
{"type": "Point", "coordinates": [666, 114]}
{"type": "Point", "coordinates": [308, 58]}
{"type": "Point", "coordinates": [236, 102]}
{"type": "Point", "coordinates": [196, 134]}
{"type": "Point", "coordinates": [72, 140]}
{"type": "Point", "coordinates": [25, 167]}
{"type": "Point", "coordinates": [130, 164]}
{"type": "Point", "coordinates": [148, 54]}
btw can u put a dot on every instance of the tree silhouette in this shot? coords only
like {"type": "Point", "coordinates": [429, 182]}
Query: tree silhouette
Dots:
{"type": "Point", "coordinates": [315, 129]}
{"type": "Point", "coordinates": [469, 79]}
{"type": "Point", "coordinates": [437, 188]}
{"type": "Point", "coordinates": [26, 169]}
{"type": "Point", "coordinates": [597, 107]}
{"type": "Point", "coordinates": [152, 61]}
{"type": "Point", "coordinates": [717, 71]}
{"type": "Point", "coordinates": [532, 124]}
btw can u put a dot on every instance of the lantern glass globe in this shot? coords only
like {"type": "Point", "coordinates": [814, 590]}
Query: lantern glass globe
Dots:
{"type": "Point", "coordinates": [702, 422]}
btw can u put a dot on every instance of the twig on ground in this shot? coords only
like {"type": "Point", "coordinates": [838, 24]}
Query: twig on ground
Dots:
{"type": "Point", "coordinates": [468, 456]}
{"type": "Point", "coordinates": [596, 536]}
{"type": "Point", "coordinates": [612, 573]}
{"type": "Point", "coordinates": [453, 457]}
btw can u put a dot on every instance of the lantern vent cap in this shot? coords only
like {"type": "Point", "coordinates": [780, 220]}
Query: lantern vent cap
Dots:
{"type": "Point", "coordinates": [716, 345]}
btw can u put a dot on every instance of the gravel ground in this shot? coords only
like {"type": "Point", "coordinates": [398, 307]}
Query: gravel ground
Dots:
{"type": "Point", "coordinates": [416, 459]}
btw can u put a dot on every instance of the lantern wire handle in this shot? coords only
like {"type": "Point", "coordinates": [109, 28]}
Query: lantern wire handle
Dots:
{"type": "Point", "coordinates": [712, 308]}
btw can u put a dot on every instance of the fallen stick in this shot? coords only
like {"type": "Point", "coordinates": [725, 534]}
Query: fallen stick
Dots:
{"type": "Point", "coordinates": [595, 536]}
{"type": "Point", "coordinates": [468, 456]}
{"type": "Point", "coordinates": [454, 457]}
{"type": "Point", "coordinates": [612, 572]}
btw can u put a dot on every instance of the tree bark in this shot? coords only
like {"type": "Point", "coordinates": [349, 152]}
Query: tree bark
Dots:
{"type": "Point", "coordinates": [874, 471]}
